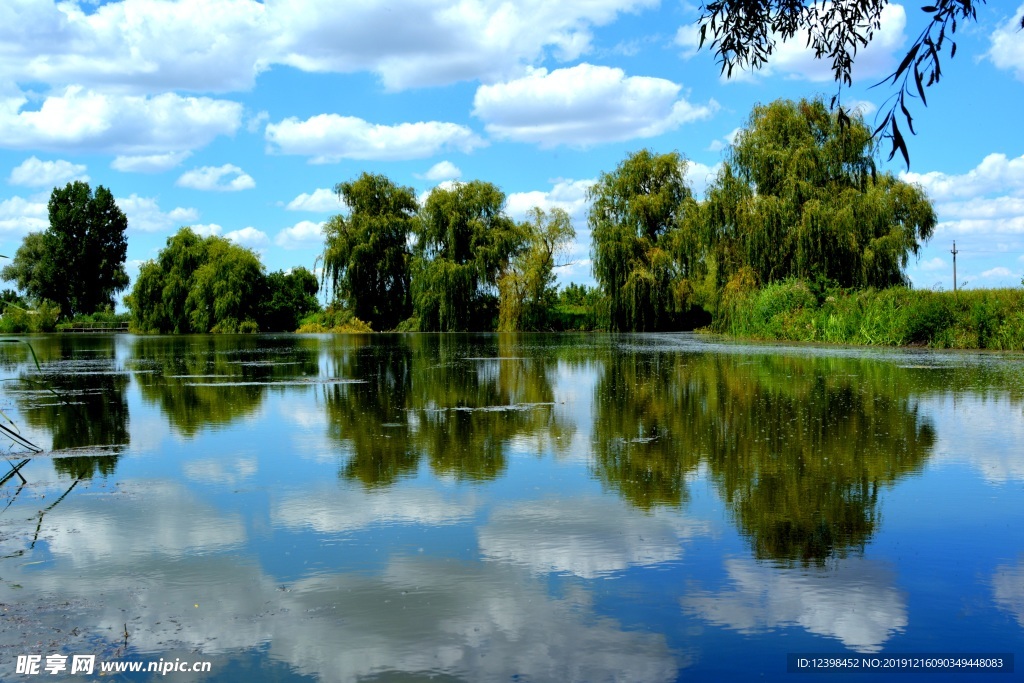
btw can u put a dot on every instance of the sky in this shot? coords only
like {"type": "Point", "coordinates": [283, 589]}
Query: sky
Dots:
{"type": "Point", "coordinates": [238, 117]}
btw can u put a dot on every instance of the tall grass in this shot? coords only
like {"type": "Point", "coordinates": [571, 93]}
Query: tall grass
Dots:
{"type": "Point", "coordinates": [970, 319]}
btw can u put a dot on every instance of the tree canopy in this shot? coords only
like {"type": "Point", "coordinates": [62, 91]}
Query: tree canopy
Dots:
{"type": "Point", "coordinates": [78, 262]}
{"type": "Point", "coordinates": [799, 196]}
{"type": "Point", "coordinates": [634, 210]}
{"type": "Point", "coordinates": [527, 288]}
{"type": "Point", "coordinates": [465, 243]}
{"type": "Point", "coordinates": [366, 254]}
{"type": "Point", "coordinates": [745, 34]}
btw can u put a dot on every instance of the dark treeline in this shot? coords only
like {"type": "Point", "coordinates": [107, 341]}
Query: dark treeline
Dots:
{"type": "Point", "coordinates": [798, 198]}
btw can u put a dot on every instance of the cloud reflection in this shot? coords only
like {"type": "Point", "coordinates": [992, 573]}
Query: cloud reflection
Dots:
{"type": "Point", "coordinates": [853, 602]}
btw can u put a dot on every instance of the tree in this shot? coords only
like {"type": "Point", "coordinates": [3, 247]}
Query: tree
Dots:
{"type": "Point", "coordinates": [366, 255]}
{"type": "Point", "coordinates": [799, 196]}
{"type": "Point", "coordinates": [465, 242]}
{"type": "Point", "coordinates": [744, 34]}
{"type": "Point", "coordinates": [78, 263]}
{"type": "Point", "coordinates": [198, 285]}
{"type": "Point", "coordinates": [633, 213]}
{"type": "Point", "coordinates": [289, 297]}
{"type": "Point", "coordinates": [526, 289]}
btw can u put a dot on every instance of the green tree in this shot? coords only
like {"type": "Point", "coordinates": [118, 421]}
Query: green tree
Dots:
{"type": "Point", "coordinates": [366, 255]}
{"type": "Point", "coordinates": [634, 211]}
{"type": "Point", "coordinates": [799, 196]}
{"type": "Point", "coordinates": [78, 262]}
{"type": "Point", "coordinates": [745, 33]}
{"type": "Point", "coordinates": [289, 297]}
{"type": "Point", "coordinates": [526, 290]}
{"type": "Point", "coordinates": [198, 285]}
{"type": "Point", "coordinates": [465, 242]}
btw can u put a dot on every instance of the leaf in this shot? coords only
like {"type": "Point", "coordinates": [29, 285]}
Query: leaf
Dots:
{"type": "Point", "coordinates": [906, 62]}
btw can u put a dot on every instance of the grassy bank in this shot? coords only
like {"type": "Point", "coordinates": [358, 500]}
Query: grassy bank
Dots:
{"type": "Point", "coordinates": [968, 319]}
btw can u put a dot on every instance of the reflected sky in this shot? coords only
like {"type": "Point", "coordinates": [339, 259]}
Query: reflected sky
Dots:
{"type": "Point", "coordinates": [484, 507]}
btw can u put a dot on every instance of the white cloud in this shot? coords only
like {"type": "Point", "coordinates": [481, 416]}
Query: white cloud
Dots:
{"type": "Point", "coordinates": [1008, 589]}
{"type": "Point", "coordinates": [249, 237]}
{"type": "Point", "coordinates": [995, 173]}
{"type": "Point", "coordinates": [987, 201]}
{"type": "Point", "coordinates": [1007, 51]}
{"type": "Point", "coordinates": [22, 216]}
{"type": "Point", "coordinates": [149, 163]}
{"type": "Point", "coordinates": [329, 138]}
{"type": "Point", "coordinates": [688, 38]}
{"type": "Point", "coordinates": [35, 173]}
{"type": "Point", "coordinates": [442, 170]}
{"type": "Point", "coordinates": [699, 176]}
{"type": "Point", "coordinates": [322, 200]}
{"type": "Point", "coordinates": [301, 235]}
{"type": "Point", "coordinates": [998, 271]}
{"type": "Point", "coordinates": [206, 229]}
{"type": "Point", "coordinates": [569, 195]}
{"type": "Point", "coordinates": [214, 178]}
{"type": "Point", "coordinates": [199, 45]}
{"type": "Point", "coordinates": [584, 105]}
{"type": "Point", "coordinates": [934, 264]}
{"type": "Point", "coordinates": [86, 120]}
{"type": "Point", "coordinates": [144, 214]}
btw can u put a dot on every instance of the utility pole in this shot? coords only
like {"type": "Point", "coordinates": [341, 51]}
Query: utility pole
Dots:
{"type": "Point", "coordinates": [954, 252]}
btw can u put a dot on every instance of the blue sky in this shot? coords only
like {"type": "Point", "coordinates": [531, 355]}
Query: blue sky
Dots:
{"type": "Point", "coordinates": [239, 117]}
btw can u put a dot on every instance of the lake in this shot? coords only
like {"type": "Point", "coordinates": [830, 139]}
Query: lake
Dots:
{"type": "Point", "coordinates": [589, 507]}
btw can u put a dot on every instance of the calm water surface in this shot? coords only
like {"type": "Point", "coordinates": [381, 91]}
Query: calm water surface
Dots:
{"type": "Point", "coordinates": [498, 508]}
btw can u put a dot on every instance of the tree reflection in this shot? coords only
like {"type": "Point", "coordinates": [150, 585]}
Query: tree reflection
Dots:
{"type": "Point", "coordinates": [80, 399]}
{"type": "Point", "coordinates": [797, 447]}
{"type": "Point", "coordinates": [459, 401]}
{"type": "Point", "coordinates": [211, 381]}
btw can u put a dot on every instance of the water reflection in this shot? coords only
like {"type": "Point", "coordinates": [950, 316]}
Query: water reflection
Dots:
{"type": "Point", "coordinates": [1008, 587]}
{"type": "Point", "coordinates": [457, 400]}
{"type": "Point", "coordinates": [586, 537]}
{"type": "Point", "coordinates": [797, 447]}
{"type": "Point", "coordinates": [854, 601]}
{"type": "Point", "coordinates": [200, 382]}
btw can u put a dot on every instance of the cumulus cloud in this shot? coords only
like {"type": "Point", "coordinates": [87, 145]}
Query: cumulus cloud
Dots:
{"type": "Point", "coordinates": [249, 237]}
{"type": "Point", "coordinates": [144, 214]}
{"type": "Point", "coordinates": [89, 121]}
{"type": "Point", "coordinates": [19, 215]}
{"type": "Point", "coordinates": [149, 163]}
{"type": "Point", "coordinates": [442, 170]}
{"type": "Point", "coordinates": [198, 45]}
{"type": "Point", "coordinates": [206, 229]}
{"type": "Point", "coordinates": [226, 178]}
{"type": "Point", "coordinates": [1007, 51]}
{"type": "Point", "coordinates": [987, 200]}
{"type": "Point", "coordinates": [569, 195]}
{"type": "Point", "coordinates": [584, 105]}
{"type": "Point", "coordinates": [321, 200]}
{"type": "Point", "coordinates": [35, 173]}
{"type": "Point", "coordinates": [329, 138]}
{"type": "Point", "coordinates": [301, 235]}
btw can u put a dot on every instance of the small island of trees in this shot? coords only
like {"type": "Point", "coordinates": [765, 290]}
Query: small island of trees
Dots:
{"type": "Point", "coordinates": [799, 236]}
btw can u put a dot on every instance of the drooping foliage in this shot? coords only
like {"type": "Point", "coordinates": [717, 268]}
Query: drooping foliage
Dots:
{"type": "Point", "coordinates": [366, 256]}
{"type": "Point", "coordinates": [799, 196]}
{"type": "Point", "coordinates": [634, 211]}
{"type": "Point", "coordinates": [465, 242]}
{"type": "Point", "coordinates": [198, 284]}
{"type": "Point", "coordinates": [78, 262]}
{"type": "Point", "coordinates": [527, 292]}
{"type": "Point", "coordinates": [289, 297]}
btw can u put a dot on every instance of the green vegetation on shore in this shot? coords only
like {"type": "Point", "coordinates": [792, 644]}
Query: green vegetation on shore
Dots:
{"type": "Point", "coordinates": [898, 316]}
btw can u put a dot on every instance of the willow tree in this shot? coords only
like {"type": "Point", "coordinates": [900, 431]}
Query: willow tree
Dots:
{"type": "Point", "coordinates": [527, 287]}
{"type": "Point", "coordinates": [633, 213]}
{"type": "Point", "coordinates": [366, 257]}
{"type": "Point", "coordinates": [800, 195]}
{"type": "Point", "coordinates": [465, 242]}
